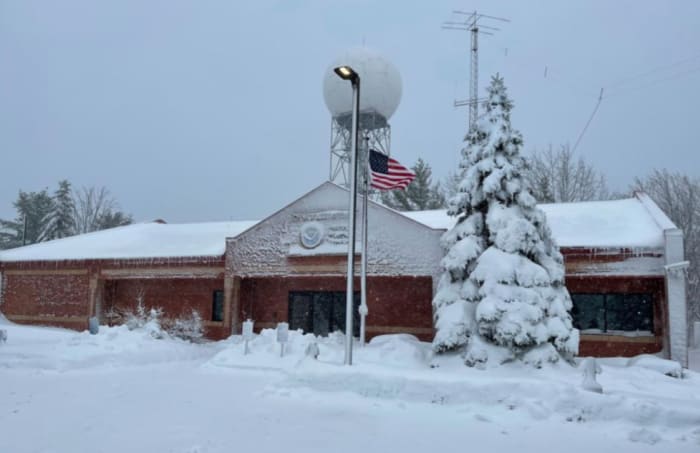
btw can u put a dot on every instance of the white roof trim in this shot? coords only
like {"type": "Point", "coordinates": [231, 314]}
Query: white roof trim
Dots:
{"type": "Point", "coordinates": [655, 211]}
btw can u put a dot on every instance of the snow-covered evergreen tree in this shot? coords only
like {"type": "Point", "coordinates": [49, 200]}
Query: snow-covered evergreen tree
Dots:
{"type": "Point", "coordinates": [32, 210]}
{"type": "Point", "coordinates": [502, 295]}
{"type": "Point", "coordinates": [59, 222]}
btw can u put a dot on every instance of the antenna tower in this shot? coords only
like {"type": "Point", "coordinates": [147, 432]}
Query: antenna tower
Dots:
{"type": "Point", "coordinates": [473, 24]}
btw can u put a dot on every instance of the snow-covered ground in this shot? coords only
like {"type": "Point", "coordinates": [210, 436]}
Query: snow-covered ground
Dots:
{"type": "Point", "coordinates": [123, 391]}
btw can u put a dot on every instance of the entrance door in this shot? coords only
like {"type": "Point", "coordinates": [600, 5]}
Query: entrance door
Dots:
{"type": "Point", "coordinates": [321, 312]}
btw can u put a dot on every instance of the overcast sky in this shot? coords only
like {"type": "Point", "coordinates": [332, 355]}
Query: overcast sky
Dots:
{"type": "Point", "coordinates": [213, 110]}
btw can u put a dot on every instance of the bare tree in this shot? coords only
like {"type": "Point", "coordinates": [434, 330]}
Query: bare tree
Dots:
{"type": "Point", "coordinates": [679, 197]}
{"type": "Point", "coordinates": [558, 177]}
{"type": "Point", "coordinates": [96, 209]}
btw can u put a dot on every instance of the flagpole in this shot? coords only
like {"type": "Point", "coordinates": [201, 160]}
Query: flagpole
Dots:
{"type": "Point", "coordinates": [363, 263]}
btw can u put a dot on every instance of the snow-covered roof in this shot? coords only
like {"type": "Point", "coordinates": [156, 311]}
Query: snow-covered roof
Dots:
{"type": "Point", "coordinates": [141, 240]}
{"type": "Point", "coordinates": [631, 222]}
{"type": "Point", "coordinates": [599, 224]}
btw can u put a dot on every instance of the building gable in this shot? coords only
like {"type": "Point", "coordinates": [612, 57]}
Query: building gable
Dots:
{"type": "Point", "coordinates": [397, 245]}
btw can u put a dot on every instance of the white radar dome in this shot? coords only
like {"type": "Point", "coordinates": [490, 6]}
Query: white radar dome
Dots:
{"type": "Point", "coordinates": [380, 84]}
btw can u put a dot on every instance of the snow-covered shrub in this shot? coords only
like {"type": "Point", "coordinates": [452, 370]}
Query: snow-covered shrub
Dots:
{"type": "Point", "coordinates": [148, 320]}
{"type": "Point", "coordinates": [136, 319]}
{"type": "Point", "coordinates": [502, 295]}
{"type": "Point", "coordinates": [188, 328]}
{"type": "Point", "coordinates": [153, 324]}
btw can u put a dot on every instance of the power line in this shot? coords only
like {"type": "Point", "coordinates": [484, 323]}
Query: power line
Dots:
{"type": "Point", "coordinates": [588, 123]}
{"type": "Point", "coordinates": [626, 80]}
{"type": "Point", "coordinates": [677, 75]}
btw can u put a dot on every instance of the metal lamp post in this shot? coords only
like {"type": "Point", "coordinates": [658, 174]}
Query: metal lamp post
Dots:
{"type": "Point", "coordinates": [347, 73]}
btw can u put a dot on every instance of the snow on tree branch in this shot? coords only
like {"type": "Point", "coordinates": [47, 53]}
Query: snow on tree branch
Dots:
{"type": "Point", "coordinates": [502, 295]}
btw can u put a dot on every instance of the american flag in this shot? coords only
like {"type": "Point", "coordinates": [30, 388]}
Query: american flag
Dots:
{"type": "Point", "coordinates": [387, 173]}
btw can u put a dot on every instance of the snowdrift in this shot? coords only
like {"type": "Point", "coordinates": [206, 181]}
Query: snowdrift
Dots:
{"type": "Point", "coordinates": [642, 401]}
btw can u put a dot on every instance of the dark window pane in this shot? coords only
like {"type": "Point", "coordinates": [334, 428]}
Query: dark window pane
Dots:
{"type": "Point", "coordinates": [323, 305]}
{"type": "Point", "coordinates": [338, 312]}
{"type": "Point", "coordinates": [629, 312]}
{"type": "Point", "coordinates": [645, 312]}
{"type": "Point", "coordinates": [338, 323]}
{"type": "Point", "coordinates": [321, 312]}
{"type": "Point", "coordinates": [588, 311]}
{"type": "Point", "coordinates": [217, 306]}
{"type": "Point", "coordinates": [617, 316]}
{"type": "Point", "coordinates": [300, 311]}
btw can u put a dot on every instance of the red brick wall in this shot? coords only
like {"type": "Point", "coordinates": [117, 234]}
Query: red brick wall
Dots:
{"type": "Point", "coordinates": [33, 294]}
{"type": "Point", "coordinates": [37, 298]}
{"type": "Point", "coordinates": [58, 293]}
{"type": "Point", "coordinates": [398, 304]}
{"type": "Point", "coordinates": [611, 346]}
{"type": "Point", "coordinates": [177, 297]}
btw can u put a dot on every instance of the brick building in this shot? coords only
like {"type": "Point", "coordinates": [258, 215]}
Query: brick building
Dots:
{"type": "Point", "coordinates": [623, 268]}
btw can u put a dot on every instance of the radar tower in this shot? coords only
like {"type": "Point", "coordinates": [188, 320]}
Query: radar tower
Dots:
{"type": "Point", "coordinates": [380, 94]}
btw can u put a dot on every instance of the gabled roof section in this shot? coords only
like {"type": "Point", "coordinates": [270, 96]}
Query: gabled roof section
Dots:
{"type": "Point", "coordinates": [333, 191]}
{"type": "Point", "coordinates": [141, 240]}
{"type": "Point", "coordinates": [627, 223]}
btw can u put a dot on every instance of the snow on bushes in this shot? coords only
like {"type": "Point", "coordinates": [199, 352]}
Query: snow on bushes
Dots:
{"type": "Point", "coordinates": [502, 295]}
{"type": "Point", "coordinates": [148, 320]}
{"type": "Point", "coordinates": [188, 327]}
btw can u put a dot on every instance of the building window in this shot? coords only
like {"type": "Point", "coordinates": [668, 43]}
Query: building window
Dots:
{"type": "Point", "coordinates": [217, 306]}
{"type": "Point", "coordinates": [321, 312]}
{"type": "Point", "coordinates": [621, 313]}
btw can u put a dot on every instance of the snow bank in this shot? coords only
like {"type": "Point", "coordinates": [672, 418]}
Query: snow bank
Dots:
{"type": "Point", "coordinates": [46, 348]}
{"type": "Point", "coordinates": [264, 352]}
{"type": "Point", "coordinates": [650, 362]}
{"type": "Point", "coordinates": [639, 399]}
{"type": "Point", "coordinates": [639, 403]}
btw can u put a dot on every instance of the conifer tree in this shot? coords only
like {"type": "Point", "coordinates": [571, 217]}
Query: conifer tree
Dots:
{"type": "Point", "coordinates": [420, 195]}
{"type": "Point", "coordinates": [32, 210]}
{"type": "Point", "coordinates": [502, 295]}
{"type": "Point", "coordinates": [59, 222]}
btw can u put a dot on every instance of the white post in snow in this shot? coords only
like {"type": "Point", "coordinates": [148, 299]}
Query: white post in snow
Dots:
{"type": "Point", "coordinates": [363, 265]}
{"type": "Point", "coordinates": [247, 331]}
{"type": "Point", "coordinates": [282, 335]}
{"type": "Point", "coordinates": [675, 295]}
{"type": "Point", "coordinates": [590, 370]}
{"type": "Point", "coordinates": [347, 73]}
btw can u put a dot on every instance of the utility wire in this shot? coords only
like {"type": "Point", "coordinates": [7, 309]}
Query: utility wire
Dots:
{"type": "Point", "coordinates": [585, 128]}
{"type": "Point", "coordinates": [677, 75]}
{"type": "Point", "coordinates": [620, 83]}
{"type": "Point", "coordinates": [626, 80]}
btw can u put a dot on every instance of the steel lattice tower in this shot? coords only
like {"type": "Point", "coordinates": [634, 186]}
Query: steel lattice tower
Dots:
{"type": "Point", "coordinates": [472, 25]}
{"type": "Point", "coordinates": [374, 132]}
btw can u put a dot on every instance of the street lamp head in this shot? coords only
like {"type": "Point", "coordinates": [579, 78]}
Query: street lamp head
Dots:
{"type": "Point", "coordinates": [346, 73]}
